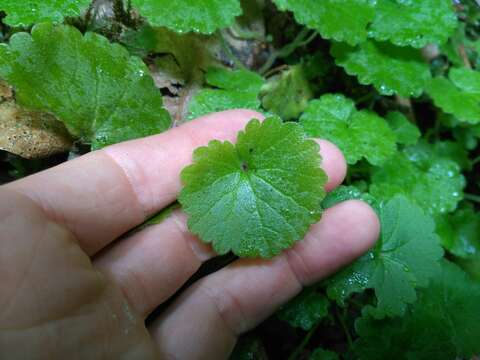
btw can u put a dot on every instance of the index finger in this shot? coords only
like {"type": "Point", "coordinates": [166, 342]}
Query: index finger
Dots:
{"type": "Point", "coordinates": [103, 194]}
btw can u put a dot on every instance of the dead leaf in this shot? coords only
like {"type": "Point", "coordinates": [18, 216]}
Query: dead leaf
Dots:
{"type": "Point", "coordinates": [31, 134]}
{"type": "Point", "coordinates": [167, 74]}
{"type": "Point", "coordinates": [6, 92]}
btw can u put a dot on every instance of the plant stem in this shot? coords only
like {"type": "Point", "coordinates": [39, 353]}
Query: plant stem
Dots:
{"type": "Point", "coordinates": [472, 197]}
{"type": "Point", "coordinates": [276, 70]}
{"type": "Point", "coordinates": [477, 159]}
{"type": "Point", "coordinates": [367, 97]}
{"type": "Point", "coordinates": [345, 328]}
{"type": "Point", "coordinates": [238, 33]}
{"type": "Point", "coordinates": [298, 350]}
{"type": "Point", "coordinates": [464, 56]}
{"type": "Point", "coordinates": [303, 38]}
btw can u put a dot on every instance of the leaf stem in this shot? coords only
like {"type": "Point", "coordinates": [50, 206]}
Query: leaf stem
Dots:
{"type": "Point", "coordinates": [238, 33]}
{"type": "Point", "coordinates": [276, 70]}
{"type": "Point", "coordinates": [477, 159]}
{"type": "Point", "coordinates": [298, 350]}
{"type": "Point", "coordinates": [344, 327]}
{"type": "Point", "coordinates": [472, 197]}
{"type": "Point", "coordinates": [303, 38]}
{"type": "Point", "coordinates": [367, 97]}
{"type": "Point", "coordinates": [464, 56]}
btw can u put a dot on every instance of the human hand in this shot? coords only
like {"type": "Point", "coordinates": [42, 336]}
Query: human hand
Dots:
{"type": "Point", "coordinates": [68, 291]}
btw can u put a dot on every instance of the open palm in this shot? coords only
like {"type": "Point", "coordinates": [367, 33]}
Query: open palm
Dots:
{"type": "Point", "coordinates": [69, 290]}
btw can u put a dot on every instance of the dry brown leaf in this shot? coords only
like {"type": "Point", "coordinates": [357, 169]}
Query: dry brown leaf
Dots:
{"type": "Point", "coordinates": [30, 134]}
{"type": "Point", "coordinates": [6, 92]}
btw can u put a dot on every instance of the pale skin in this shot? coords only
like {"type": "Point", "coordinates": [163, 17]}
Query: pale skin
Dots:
{"type": "Point", "coordinates": [69, 290]}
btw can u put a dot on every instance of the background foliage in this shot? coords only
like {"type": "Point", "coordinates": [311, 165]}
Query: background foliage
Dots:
{"type": "Point", "coordinates": [396, 87]}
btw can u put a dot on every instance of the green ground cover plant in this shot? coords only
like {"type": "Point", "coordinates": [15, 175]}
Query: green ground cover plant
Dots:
{"type": "Point", "coordinates": [394, 84]}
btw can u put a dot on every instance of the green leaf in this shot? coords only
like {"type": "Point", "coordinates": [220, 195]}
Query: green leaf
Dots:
{"type": "Point", "coordinates": [459, 96]}
{"type": "Point", "coordinates": [306, 310]}
{"type": "Point", "coordinates": [103, 95]}
{"type": "Point", "coordinates": [450, 48]}
{"type": "Point", "coordinates": [435, 183]}
{"type": "Point", "coordinates": [235, 89]}
{"type": "Point", "coordinates": [443, 324]}
{"type": "Point", "coordinates": [321, 354]}
{"type": "Point", "coordinates": [287, 95]}
{"type": "Point", "coordinates": [422, 153]}
{"type": "Point", "coordinates": [249, 347]}
{"type": "Point", "coordinates": [27, 12]}
{"type": "Point", "coordinates": [391, 69]}
{"type": "Point", "coordinates": [359, 134]}
{"type": "Point", "coordinates": [414, 23]}
{"type": "Point", "coordinates": [406, 132]}
{"type": "Point", "coordinates": [405, 258]}
{"type": "Point", "coordinates": [204, 16]}
{"type": "Point", "coordinates": [467, 137]}
{"type": "Point", "coordinates": [329, 17]}
{"type": "Point", "coordinates": [344, 193]}
{"type": "Point", "coordinates": [259, 196]}
{"type": "Point", "coordinates": [460, 232]}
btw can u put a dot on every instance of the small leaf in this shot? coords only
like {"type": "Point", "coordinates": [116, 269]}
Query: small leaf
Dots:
{"type": "Point", "coordinates": [443, 324]}
{"type": "Point", "coordinates": [259, 196]}
{"type": "Point", "coordinates": [405, 258]}
{"type": "Point", "coordinates": [460, 232]}
{"type": "Point", "coordinates": [101, 94]}
{"type": "Point", "coordinates": [305, 310]}
{"type": "Point", "coordinates": [27, 12]}
{"type": "Point", "coordinates": [391, 69]}
{"type": "Point", "coordinates": [235, 89]}
{"type": "Point", "coordinates": [204, 16]}
{"type": "Point", "coordinates": [406, 132]}
{"type": "Point", "coordinates": [329, 17]}
{"type": "Point", "coordinates": [434, 183]}
{"type": "Point", "coordinates": [287, 95]}
{"type": "Point", "coordinates": [249, 347]}
{"type": "Point", "coordinates": [344, 193]}
{"type": "Point", "coordinates": [359, 134]}
{"type": "Point", "coordinates": [321, 354]}
{"type": "Point", "coordinates": [452, 150]}
{"type": "Point", "coordinates": [460, 96]}
{"type": "Point", "coordinates": [414, 23]}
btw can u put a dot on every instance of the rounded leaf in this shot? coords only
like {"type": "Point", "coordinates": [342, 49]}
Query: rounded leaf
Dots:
{"type": "Point", "coordinates": [259, 196]}
{"type": "Point", "coordinates": [204, 16]}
